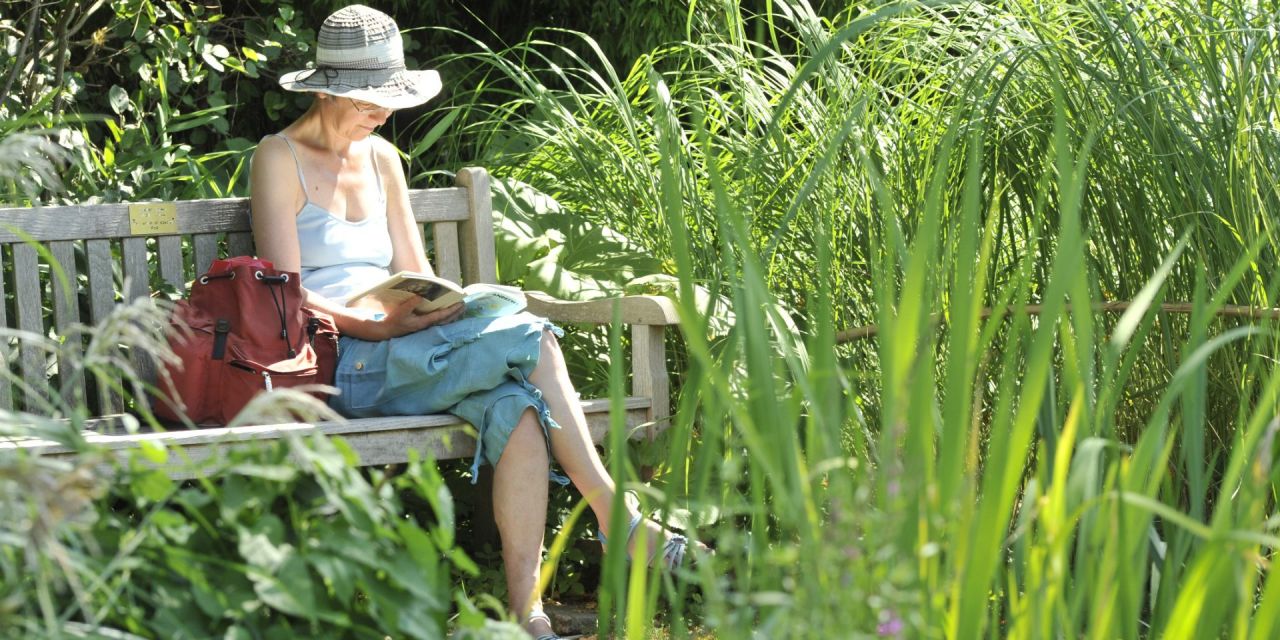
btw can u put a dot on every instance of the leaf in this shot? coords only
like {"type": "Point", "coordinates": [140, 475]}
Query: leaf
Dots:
{"type": "Point", "coordinates": [290, 590]}
{"type": "Point", "coordinates": [263, 546]}
{"type": "Point", "coordinates": [174, 527]}
{"type": "Point", "coordinates": [435, 132]}
{"type": "Point", "coordinates": [418, 621]}
{"type": "Point", "coordinates": [549, 249]}
{"type": "Point", "coordinates": [119, 99]}
{"type": "Point", "coordinates": [210, 59]}
{"type": "Point", "coordinates": [153, 451]}
{"type": "Point", "coordinates": [339, 574]}
{"type": "Point", "coordinates": [274, 472]}
{"type": "Point", "coordinates": [418, 577]}
{"type": "Point", "coordinates": [236, 633]}
{"type": "Point", "coordinates": [153, 485]}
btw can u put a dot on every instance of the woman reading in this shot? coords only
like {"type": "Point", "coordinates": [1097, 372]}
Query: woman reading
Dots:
{"type": "Point", "coordinates": [330, 201]}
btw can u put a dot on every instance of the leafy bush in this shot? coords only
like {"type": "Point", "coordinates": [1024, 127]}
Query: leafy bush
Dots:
{"type": "Point", "coordinates": [276, 541]}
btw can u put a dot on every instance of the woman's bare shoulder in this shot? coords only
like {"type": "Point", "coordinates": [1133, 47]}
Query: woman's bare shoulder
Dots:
{"type": "Point", "coordinates": [386, 153]}
{"type": "Point", "coordinates": [272, 148]}
{"type": "Point", "coordinates": [274, 166]}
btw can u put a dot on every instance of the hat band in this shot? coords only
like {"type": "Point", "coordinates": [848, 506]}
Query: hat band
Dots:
{"type": "Point", "coordinates": [329, 76]}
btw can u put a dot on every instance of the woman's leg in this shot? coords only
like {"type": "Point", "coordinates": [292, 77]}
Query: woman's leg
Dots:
{"type": "Point", "coordinates": [520, 511]}
{"type": "Point", "coordinates": [571, 444]}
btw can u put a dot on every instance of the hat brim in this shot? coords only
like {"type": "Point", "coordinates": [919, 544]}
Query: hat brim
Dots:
{"type": "Point", "coordinates": [400, 89]}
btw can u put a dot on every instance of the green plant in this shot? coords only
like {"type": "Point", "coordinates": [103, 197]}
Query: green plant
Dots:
{"type": "Point", "coordinates": [967, 473]}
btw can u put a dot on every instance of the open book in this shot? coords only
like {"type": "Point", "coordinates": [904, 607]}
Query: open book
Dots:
{"type": "Point", "coordinates": [481, 299]}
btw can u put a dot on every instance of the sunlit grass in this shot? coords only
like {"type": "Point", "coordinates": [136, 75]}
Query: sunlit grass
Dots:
{"type": "Point", "coordinates": [1065, 474]}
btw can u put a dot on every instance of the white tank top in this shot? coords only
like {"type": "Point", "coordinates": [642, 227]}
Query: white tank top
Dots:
{"type": "Point", "coordinates": [341, 258]}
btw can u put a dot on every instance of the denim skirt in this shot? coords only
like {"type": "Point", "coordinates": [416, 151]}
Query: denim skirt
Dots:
{"type": "Point", "coordinates": [474, 368]}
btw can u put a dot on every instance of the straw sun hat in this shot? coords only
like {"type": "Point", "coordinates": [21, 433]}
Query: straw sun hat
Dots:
{"type": "Point", "coordinates": [360, 55]}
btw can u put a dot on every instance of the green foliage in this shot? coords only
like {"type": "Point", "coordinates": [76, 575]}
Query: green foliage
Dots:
{"type": "Point", "coordinates": [278, 540]}
{"type": "Point", "coordinates": [153, 83]}
{"type": "Point", "coordinates": [966, 473]}
{"type": "Point", "coordinates": [907, 165]}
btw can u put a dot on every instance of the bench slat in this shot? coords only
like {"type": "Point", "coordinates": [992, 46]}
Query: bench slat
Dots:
{"type": "Point", "coordinates": [170, 250]}
{"type": "Point", "coordinates": [206, 250]}
{"type": "Point", "coordinates": [26, 290]}
{"type": "Point", "coordinates": [376, 440]}
{"type": "Point", "coordinates": [447, 261]}
{"type": "Point", "coordinates": [102, 286]}
{"type": "Point", "coordinates": [6, 389]}
{"type": "Point", "coordinates": [78, 222]}
{"type": "Point", "coordinates": [138, 278]}
{"type": "Point", "coordinates": [462, 238]}
{"type": "Point", "coordinates": [66, 312]}
{"type": "Point", "coordinates": [480, 264]}
{"type": "Point", "coordinates": [102, 299]}
{"type": "Point", "coordinates": [240, 244]}
{"type": "Point", "coordinates": [136, 274]}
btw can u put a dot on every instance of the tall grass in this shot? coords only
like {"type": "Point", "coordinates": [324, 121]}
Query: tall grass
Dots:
{"type": "Point", "coordinates": [906, 165]}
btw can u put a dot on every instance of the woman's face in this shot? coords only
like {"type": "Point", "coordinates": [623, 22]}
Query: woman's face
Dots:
{"type": "Point", "coordinates": [354, 119]}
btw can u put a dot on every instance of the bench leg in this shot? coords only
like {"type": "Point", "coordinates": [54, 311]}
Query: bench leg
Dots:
{"type": "Point", "coordinates": [649, 378]}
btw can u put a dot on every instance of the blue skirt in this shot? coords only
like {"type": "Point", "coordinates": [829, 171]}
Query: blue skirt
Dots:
{"type": "Point", "coordinates": [474, 368]}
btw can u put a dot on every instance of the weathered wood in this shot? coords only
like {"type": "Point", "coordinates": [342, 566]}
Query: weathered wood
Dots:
{"type": "Point", "coordinates": [169, 249]}
{"type": "Point", "coordinates": [138, 285]}
{"type": "Point", "coordinates": [79, 222]}
{"type": "Point", "coordinates": [650, 310]}
{"type": "Point", "coordinates": [461, 223]}
{"type": "Point", "coordinates": [376, 440]}
{"type": "Point", "coordinates": [240, 244]}
{"type": "Point", "coordinates": [137, 276]}
{"type": "Point", "coordinates": [479, 263]}
{"type": "Point", "coordinates": [439, 205]}
{"type": "Point", "coordinates": [102, 299]}
{"type": "Point", "coordinates": [206, 251]}
{"type": "Point", "coordinates": [649, 372]}
{"type": "Point", "coordinates": [102, 286]}
{"type": "Point", "coordinates": [27, 291]}
{"type": "Point", "coordinates": [6, 389]}
{"type": "Point", "coordinates": [66, 312]}
{"type": "Point", "coordinates": [447, 259]}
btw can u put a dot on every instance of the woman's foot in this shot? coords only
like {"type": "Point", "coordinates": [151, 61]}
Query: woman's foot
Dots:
{"type": "Point", "coordinates": [538, 626]}
{"type": "Point", "coordinates": [656, 542]}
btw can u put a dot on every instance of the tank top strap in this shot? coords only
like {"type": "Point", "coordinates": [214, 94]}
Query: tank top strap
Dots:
{"type": "Point", "coordinates": [296, 164]}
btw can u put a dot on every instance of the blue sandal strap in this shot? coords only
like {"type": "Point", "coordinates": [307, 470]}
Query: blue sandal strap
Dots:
{"type": "Point", "coordinates": [631, 528]}
{"type": "Point", "coordinates": [673, 551]}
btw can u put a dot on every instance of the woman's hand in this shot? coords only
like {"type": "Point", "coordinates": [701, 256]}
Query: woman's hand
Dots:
{"type": "Point", "coordinates": [402, 320]}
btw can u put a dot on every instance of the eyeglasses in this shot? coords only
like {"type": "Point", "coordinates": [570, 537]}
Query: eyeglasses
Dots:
{"type": "Point", "coordinates": [368, 107]}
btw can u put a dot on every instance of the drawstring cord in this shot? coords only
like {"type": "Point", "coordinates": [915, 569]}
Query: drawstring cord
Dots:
{"type": "Point", "coordinates": [280, 304]}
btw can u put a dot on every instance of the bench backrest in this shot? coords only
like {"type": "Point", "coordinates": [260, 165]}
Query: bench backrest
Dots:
{"type": "Point", "coordinates": [114, 252]}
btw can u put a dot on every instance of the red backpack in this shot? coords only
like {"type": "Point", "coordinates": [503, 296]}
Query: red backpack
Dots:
{"type": "Point", "coordinates": [243, 330]}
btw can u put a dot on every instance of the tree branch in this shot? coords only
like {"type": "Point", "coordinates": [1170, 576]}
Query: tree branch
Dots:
{"type": "Point", "coordinates": [1233, 311]}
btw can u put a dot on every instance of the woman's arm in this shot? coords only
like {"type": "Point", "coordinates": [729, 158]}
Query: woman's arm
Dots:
{"type": "Point", "coordinates": [408, 253]}
{"type": "Point", "coordinates": [275, 234]}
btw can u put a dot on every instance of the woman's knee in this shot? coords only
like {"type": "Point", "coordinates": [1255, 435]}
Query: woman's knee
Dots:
{"type": "Point", "coordinates": [551, 344]}
{"type": "Point", "coordinates": [527, 440]}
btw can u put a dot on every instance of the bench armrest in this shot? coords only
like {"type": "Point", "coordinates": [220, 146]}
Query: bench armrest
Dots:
{"type": "Point", "coordinates": [636, 310]}
{"type": "Point", "coordinates": [648, 316]}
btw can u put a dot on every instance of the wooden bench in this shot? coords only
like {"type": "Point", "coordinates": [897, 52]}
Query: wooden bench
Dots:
{"type": "Point", "coordinates": [174, 242]}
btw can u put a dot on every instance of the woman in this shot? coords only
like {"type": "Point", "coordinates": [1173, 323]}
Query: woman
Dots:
{"type": "Point", "coordinates": [330, 200]}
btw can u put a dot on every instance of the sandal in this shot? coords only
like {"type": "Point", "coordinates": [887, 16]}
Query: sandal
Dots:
{"type": "Point", "coordinates": [542, 616]}
{"type": "Point", "coordinates": [673, 551]}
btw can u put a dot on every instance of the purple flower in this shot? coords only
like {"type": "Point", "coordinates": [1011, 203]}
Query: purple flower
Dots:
{"type": "Point", "coordinates": [891, 627]}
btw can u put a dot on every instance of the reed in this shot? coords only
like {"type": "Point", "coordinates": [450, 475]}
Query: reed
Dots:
{"type": "Point", "coordinates": [916, 165]}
